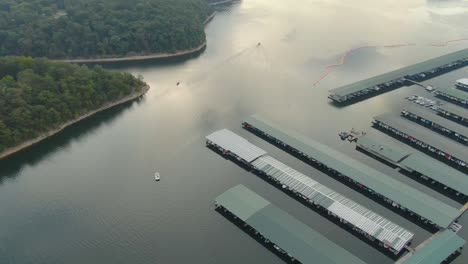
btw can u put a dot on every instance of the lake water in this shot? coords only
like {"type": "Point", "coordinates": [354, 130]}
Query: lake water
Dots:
{"type": "Point", "coordinates": [88, 195]}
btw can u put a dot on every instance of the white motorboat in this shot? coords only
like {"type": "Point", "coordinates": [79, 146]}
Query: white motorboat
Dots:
{"type": "Point", "coordinates": [157, 176]}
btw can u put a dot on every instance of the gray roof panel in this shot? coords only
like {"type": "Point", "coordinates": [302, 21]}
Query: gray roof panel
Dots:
{"type": "Point", "coordinates": [357, 215]}
{"type": "Point", "coordinates": [236, 144]}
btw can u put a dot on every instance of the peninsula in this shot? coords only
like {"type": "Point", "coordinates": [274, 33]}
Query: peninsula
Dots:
{"type": "Point", "coordinates": [40, 98]}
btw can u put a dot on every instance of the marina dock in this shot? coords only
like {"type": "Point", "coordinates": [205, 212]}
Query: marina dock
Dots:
{"type": "Point", "coordinates": [281, 232]}
{"type": "Point", "coordinates": [454, 113]}
{"type": "Point", "coordinates": [437, 123]}
{"type": "Point", "coordinates": [435, 250]}
{"type": "Point", "coordinates": [462, 84]}
{"type": "Point", "coordinates": [454, 96]}
{"type": "Point", "coordinates": [361, 220]}
{"type": "Point", "coordinates": [432, 171]}
{"type": "Point", "coordinates": [405, 76]}
{"type": "Point", "coordinates": [394, 193]}
{"type": "Point", "coordinates": [429, 142]}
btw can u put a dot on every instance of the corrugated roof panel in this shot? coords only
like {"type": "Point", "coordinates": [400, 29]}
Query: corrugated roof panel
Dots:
{"type": "Point", "coordinates": [408, 197]}
{"type": "Point", "coordinates": [354, 213]}
{"type": "Point", "coordinates": [228, 140]}
{"type": "Point", "coordinates": [298, 240]}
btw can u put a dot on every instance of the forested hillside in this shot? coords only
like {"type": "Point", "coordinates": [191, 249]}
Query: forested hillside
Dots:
{"type": "Point", "coordinates": [60, 29]}
{"type": "Point", "coordinates": [37, 95]}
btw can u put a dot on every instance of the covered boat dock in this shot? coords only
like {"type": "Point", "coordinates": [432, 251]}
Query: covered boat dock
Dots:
{"type": "Point", "coordinates": [435, 250]}
{"type": "Point", "coordinates": [437, 123]}
{"type": "Point", "coordinates": [278, 230]}
{"type": "Point", "coordinates": [429, 142]}
{"type": "Point", "coordinates": [405, 76]}
{"type": "Point", "coordinates": [427, 168]}
{"type": "Point", "coordinates": [462, 84]}
{"type": "Point", "coordinates": [454, 113]}
{"type": "Point", "coordinates": [360, 219]}
{"type": "Point", "coordinates": [393, 192]}
{"type": "Point", "coordinates": [453, 95]}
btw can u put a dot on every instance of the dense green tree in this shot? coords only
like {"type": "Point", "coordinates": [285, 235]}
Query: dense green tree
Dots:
{"type": "Point", "coordinates": [37, 95]}
{"type": "Point", "coordinates": [61, 29]}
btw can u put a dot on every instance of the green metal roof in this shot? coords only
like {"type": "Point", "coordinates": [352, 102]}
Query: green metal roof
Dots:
{"type": "Point", "coordinates": [436, 119]}
{"type": "Point", "coordinates": [421, 163]}
{"type": "Point", "coordinates": [437, 250]}
{"type": "Point", "coordinates": [461, 95]}
{"type": "Point", "coordinates": [298, 240]}
{"type": "Point", "coordinates": [456, 110]}
{"type": "Point", "coordinates": [371, 144]}
{"type": "Point", "coordinates": [400, 73]}
{"type": "Point", "coordinates": [438, 171]}
{"type": "Point", "coordinates": [420, 203]}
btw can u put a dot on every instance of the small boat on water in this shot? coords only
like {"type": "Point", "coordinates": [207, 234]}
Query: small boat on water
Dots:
{"type": "Point", "coordinates": [157, 176]}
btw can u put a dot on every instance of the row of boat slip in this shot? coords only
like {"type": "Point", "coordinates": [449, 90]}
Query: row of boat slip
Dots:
{"type": "Point", "coordinates": [454, 113]}
{"type": "Point", "coordinates": [437, 146]}
{"type": "Point", "coordinates": [454, 96]}
{"type": "Point", "coordinates": [372, 225]}
{"type": "Point", "coordinates": [391, 235]}
{"type": "Point", "coordinates": [398, 78]}
{"type": "Point", "coordinates": [437, 123]}
{"type": "Point", "coordinates": [402, 196]}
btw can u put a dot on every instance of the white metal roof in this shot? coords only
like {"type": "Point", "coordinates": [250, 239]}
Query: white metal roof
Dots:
{"type": "Point", "coordinates": [230, 141]}
{"type": "Point", "coordinates": [357, 215]}
{"type": "Point", "coordinates": [463, 81]}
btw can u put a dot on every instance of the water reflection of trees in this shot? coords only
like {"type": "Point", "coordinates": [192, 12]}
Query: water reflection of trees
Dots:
{"type": "Point", "coordinates": [10, 166]}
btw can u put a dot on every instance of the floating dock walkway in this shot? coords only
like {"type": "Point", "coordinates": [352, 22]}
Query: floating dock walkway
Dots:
{"type": "Point", "coordinates": [376, 228]}
{"type": "Point", "coordinates": [279, 230]}
{"type": "Point", "coordinates": [433, 171]}
{"type": "Point", "coordinates": [367, 88]}
{"type": "Point", "coordinates": [454, 113]}
{"type": "Point", "coordinates": [437, 249]}
{"type": "Point", "coordinates": [431, 143]}
{"type": "Point", "coordinates": [437, 123]}
{"type": "Point", "coordinates": [393, 192]}
{"type": "Point", "coordinates": [454, 96]}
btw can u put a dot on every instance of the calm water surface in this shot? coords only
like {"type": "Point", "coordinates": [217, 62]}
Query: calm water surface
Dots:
{"type": "Point", "coordinates": [88, 194]}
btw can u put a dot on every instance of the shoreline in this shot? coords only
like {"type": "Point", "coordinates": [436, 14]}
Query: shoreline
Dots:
{"type": "Point", "coordinates": [26, 144]}
{"type": "Point", "coordinates": [176, 54]}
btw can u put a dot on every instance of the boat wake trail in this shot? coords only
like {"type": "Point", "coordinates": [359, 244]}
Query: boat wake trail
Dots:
{"type": "Point", "coordinates": [330, 68]}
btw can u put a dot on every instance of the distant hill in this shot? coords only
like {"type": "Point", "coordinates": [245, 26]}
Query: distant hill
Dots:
{"type": "Point", "coordinates": [67, 29]}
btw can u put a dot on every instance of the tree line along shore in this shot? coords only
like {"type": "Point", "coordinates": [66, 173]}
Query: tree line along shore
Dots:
{"type": "Point", "coordinates": [40, 97]}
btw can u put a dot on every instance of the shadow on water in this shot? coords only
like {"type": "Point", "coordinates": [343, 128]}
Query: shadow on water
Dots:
{"type": "Point", "coordinates": [11, 165]}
